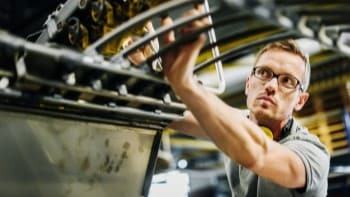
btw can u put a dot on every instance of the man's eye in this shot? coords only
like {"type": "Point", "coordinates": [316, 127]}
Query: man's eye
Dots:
{"type": "Point", "coordinates": [288, 80]}
{"type": "Point", "coordinates": [263, 72]}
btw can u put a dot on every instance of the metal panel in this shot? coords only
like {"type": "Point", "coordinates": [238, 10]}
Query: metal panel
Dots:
{"type": "Point", "coordinates": [50, 156]}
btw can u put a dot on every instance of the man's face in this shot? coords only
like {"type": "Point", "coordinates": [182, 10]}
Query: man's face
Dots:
{"type": "Point", "coordinates": [269, 100]}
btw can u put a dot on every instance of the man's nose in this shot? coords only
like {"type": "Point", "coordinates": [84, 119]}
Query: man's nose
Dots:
{"type": "Point", "coordinates": [272, 85]}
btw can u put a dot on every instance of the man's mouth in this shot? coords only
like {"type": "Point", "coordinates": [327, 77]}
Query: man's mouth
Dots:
{"type": "Point", "coordinates": [267, 99]}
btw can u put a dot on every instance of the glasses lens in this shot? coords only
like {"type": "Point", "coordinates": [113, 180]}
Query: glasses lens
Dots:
{"type": "Point", "coordinates": [284, 80]}
{"type": "Point", "coordinates": [263, 73]}
{"type": "Point", "coordinates": [287, 81]}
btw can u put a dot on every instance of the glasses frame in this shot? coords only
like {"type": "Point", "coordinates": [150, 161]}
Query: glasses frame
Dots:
{"type": "Point", "coordinates": [274, 75]}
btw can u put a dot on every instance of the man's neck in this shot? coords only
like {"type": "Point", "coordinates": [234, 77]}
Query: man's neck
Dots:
{"type": "Point", "coordinates": [277, 128]}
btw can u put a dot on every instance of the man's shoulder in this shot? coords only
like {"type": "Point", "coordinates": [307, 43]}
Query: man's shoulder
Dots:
{"type": "Point", "coordinates": [300, 138]}
{"type": "Point", "coordinates": [301, 132]}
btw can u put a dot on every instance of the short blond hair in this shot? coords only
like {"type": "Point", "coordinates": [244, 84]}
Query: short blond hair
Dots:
{"type": "Point", "coordinates": [291, 46]}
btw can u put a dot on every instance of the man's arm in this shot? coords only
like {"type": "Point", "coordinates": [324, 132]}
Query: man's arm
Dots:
{"type": "Point", "coordinates": [242, 140]}
{"type": "Point", "coordinates": [234, 134]}
{"type": "Point", "coordinates": [188, 125]}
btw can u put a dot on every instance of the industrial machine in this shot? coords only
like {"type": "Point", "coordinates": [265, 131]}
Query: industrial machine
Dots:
{"type": "Point", "coordinates": [82, 112]}
{"type": "Point", "coordinates": [81, 115]}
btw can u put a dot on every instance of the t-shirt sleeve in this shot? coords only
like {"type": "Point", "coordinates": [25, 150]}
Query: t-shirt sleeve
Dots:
{"type": "Point", "coordinates": [314, 156]}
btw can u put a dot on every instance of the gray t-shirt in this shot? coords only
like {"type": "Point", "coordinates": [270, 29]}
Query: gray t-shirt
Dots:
{"type": "Point", "coordinates": [312, 152]}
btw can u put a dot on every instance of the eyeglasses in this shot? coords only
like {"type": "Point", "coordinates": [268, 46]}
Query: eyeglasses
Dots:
{"type": "Point", "coordinates": [284, 80]}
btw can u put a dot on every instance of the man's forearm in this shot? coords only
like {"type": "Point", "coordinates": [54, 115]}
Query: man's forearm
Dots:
{"type": "Point", "coordinates": [225, 126]}
{"type": "Point", "coordinates": [188, 126]}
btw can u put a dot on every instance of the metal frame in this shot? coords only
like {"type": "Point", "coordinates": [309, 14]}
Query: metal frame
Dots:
{"type": "Point", "coordinates": [57, 19]}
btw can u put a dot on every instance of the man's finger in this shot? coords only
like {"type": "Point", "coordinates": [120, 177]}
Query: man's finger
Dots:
{"type": "Point", "coordinates": [197, 23]}
{"type": "Point", "coordinates": [201, 9]}
{"type": "Point", "coordinates": [149, 27]}
{"type": "Point", "coordinates": [170, 36]}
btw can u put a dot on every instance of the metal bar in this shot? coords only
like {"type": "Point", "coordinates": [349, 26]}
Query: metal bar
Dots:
{"type": "Point", "coordinates": [73, 58]}
{"type": "Point", "coordinates": [160, 31]}
{"type": "Point", "coordinates": [125, 112]}
{"type": "Point", "coordinates": [151, 164]}
{"type": "Point", "coordinates": [302, 2]}
{"type": "Point", "coordinates": [329, 61]}
{"type": "Point", "coordinates": [105, 93]}
{"type": "Point", "coordinates": [81, 117]}
{"type": "Point", "coordinates": [132, 112]}
{"type": "Point", "coordinates": [178, 42]}
{"type": "Point", "coordinates": [343, 42]}
{"type": "Point", "coordinates": [250, 45]}
{"type": "Point", "coordinates": [241, 34]}
{"type": "Point", "coordinates": [329, 34]}
{"type": "Point", "coordinates": [215, 51]}
{"type": "Point", "coordinates": [6, 73]}
{"type": "Point", "coordinates": [160, 10]}
{"type": "Point", "coordinates": [316, 10]}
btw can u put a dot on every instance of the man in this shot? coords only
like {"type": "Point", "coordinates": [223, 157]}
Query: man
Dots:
{"type": "Point", "coordinates": [294, 162]}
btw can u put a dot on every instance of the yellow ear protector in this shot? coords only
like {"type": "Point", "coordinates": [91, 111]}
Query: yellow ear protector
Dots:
{"type": "Point", "coordinates": [267, 131]}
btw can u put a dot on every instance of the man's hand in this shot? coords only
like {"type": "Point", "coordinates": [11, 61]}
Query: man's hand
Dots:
{"type": "Point", "coordinates": [141, 54]}
{"type": "Point", "coordinates": [178, 64]}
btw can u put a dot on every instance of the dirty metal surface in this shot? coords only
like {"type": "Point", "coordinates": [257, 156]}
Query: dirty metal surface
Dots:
{"type": "Point", "coordinates": [47, 156]}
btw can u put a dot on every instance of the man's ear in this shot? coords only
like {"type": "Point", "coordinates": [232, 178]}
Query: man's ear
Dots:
{"type": "Point", "coordinates": [246, 85]}
{"type": "Point", "coordinates": [303, 97]}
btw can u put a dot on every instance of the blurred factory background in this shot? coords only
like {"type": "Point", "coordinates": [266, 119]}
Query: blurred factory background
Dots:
{"type": "Point", "coordinates": [190, 167]}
